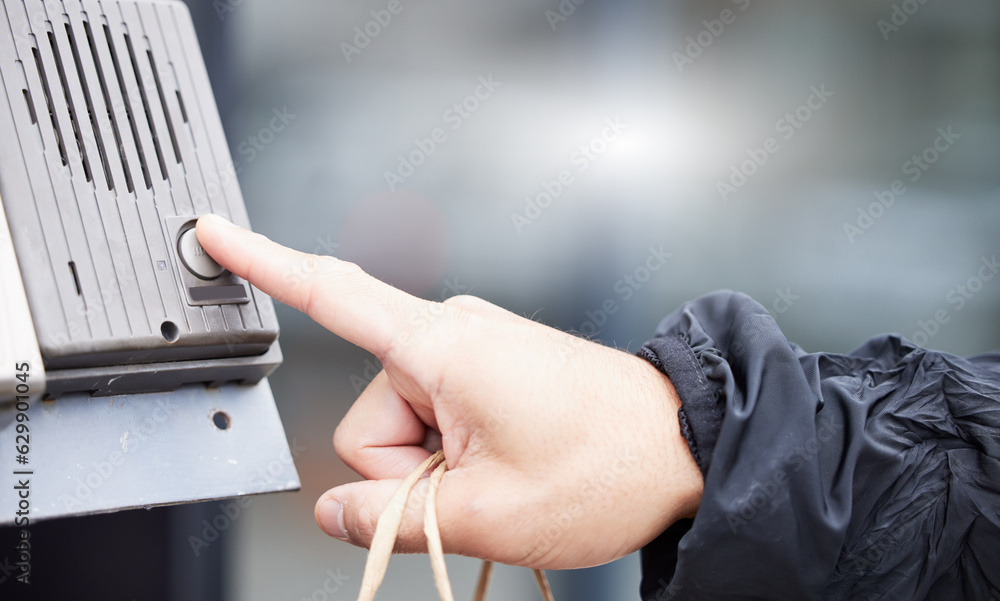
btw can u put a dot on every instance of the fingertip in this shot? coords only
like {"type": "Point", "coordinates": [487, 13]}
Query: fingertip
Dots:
{"type": "Point", "coordinates": [330, 517]}
{"type": "Point", "coordinates": [210, 228]}
{"type": "Point", "coordinates": [213, 224]}
{"type": "Point", "coordinates": [238, 249]}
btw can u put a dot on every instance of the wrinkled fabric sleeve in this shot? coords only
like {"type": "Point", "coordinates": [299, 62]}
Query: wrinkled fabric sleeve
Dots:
{"type": "Point", "coordinates": [870, 475]}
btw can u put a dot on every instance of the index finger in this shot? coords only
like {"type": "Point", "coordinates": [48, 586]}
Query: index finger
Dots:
{"type": "Point", "coordinates": [336, 294]}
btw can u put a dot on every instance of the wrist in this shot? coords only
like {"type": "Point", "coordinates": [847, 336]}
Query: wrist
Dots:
{"type": "Point", "coordinates": [683, 482]}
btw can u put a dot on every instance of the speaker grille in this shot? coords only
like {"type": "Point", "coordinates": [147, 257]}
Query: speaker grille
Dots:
{"type": "Point", "coordinates": [133, 92]}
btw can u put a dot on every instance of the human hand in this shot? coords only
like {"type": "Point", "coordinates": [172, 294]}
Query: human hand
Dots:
{"type": "Point", "coordinates": [562, 453]}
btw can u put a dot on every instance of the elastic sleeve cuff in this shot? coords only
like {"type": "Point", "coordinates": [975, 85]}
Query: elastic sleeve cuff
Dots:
{"type": "Point", "coordinates": [691, 348]}
{"type": "Point", "coordinates": [701, 413]}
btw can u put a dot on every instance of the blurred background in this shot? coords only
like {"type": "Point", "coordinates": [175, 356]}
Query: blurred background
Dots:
{"type": "Point", "coordinates": [838, 161]}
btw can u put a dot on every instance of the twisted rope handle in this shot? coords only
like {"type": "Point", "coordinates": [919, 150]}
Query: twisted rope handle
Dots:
{"type": "Point", "coordinates": [387, 530]}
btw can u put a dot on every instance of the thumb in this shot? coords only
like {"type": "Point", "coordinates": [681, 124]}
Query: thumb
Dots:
{"type": "Point", "coordinates": [466, 516]}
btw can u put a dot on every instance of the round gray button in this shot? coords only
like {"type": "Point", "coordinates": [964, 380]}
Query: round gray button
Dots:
{"type": "Point", "coordinates": [196, 259]}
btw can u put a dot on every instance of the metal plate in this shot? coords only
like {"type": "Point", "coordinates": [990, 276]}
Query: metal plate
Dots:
{"type": "Point", "coordinates": [96, 455]}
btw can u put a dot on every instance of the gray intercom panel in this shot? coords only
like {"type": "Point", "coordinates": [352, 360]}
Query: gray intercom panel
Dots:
{"type": "Point", "coordinates": [112, 148]}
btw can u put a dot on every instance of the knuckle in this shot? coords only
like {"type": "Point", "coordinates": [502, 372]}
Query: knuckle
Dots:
{"type": "Point", "coordinates": [451, 336]}
{"type": "Point", "coordinates": [339, 268]}
{"type": "Point", "coordinates": [341, 444]}
{"type": "Point", "coordinates": [462, 318]}
{"type": "Point", "coordinates": [465, 301]}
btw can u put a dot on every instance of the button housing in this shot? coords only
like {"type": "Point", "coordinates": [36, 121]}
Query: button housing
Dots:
{"type": "Point", "coordinates": [197, 270]}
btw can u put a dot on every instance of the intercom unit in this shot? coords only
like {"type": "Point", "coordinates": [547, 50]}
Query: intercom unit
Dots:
{"type": "Point", "coordinates": [111, 147]}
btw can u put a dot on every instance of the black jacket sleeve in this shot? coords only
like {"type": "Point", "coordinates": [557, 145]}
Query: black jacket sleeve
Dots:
{"type": "Point", "coordinates": [873, 475]}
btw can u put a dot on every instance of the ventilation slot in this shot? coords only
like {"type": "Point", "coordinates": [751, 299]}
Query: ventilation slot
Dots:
{"type": "Point", "coordinates": [107, 103]}
{"type": "Point", "coordinates": [145, 107]}
{"type": "Point", "coordinates": [184, 113]}
{"type": "Point", "coordinates": [72, 109]}
{"type": "Point", "coordinates": [76, 278]}
{"type": "Point", "coordinates": [128, 108]}
{"type": "Point", "coordinates": [166, 111]}
{"type": "Point", "coordinates": [31, 107]}
{"type": "Point", "coordinates": [49, 105]}
{"type": "Point", "coordinates": [180, 101]}
{"type": "Point", "coordinates": [90, 108]}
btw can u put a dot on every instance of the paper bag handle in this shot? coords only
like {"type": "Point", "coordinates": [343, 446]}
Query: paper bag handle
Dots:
{"type": "Point", "coordinates": [388, 528]}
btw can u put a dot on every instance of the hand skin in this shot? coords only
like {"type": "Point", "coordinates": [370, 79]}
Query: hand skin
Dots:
{"type": "Point", "coordinates": [562, 453]}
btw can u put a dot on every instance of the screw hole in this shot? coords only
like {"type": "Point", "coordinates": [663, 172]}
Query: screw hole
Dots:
{"type": "Point", "coordinates": [221, 420]}
{"type": "Point", "coordinates": [171, 333]}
